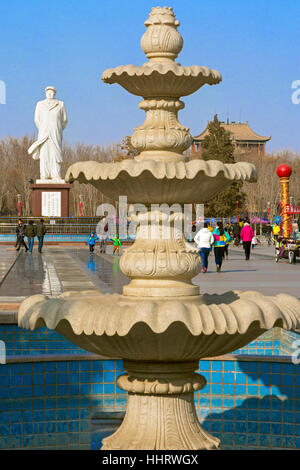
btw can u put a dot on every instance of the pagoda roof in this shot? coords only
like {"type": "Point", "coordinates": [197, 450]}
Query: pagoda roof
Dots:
{"type": "Point", "coordinates": [240, 131]}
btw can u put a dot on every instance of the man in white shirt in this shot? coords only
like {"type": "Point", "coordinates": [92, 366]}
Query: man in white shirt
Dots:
{"type": "Point", "coordinates": [204, 240]}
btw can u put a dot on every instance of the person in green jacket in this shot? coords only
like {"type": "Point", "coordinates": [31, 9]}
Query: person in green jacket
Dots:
{"type": "Point", "coordinates": [117, 244]}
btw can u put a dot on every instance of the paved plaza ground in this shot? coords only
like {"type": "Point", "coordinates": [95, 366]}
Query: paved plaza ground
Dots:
{"type": "Point", "coordinates": [59, 269]}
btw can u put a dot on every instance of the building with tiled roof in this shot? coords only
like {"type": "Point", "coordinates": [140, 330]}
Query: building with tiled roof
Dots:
{"type": "Point", "coordinates": [243, 137]}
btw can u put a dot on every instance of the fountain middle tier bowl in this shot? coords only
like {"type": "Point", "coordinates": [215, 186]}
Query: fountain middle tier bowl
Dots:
{"type": "Point", "coordinates": [156, 79]}
{"type": "Point", "coordinates": [151, 181]}
{"type": "Point", "coordinates": [160, 330]}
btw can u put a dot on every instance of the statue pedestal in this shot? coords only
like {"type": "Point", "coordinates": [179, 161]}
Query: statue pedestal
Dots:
{"type": "Point", "coordinates": [50, 199]}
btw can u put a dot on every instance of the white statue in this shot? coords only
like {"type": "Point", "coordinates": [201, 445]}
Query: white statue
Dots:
{"type": "Point", "coordinates": [50, 119]}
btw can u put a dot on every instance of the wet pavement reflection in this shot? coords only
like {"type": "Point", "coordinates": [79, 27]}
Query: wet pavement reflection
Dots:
{"type": "Point", "coordinates": [28, 276]}
{"type": "Point", "coordinates": [103, 270]}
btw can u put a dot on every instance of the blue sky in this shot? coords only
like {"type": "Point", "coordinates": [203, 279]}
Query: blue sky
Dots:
{"type": "Point", "coordinates": [254, 44]}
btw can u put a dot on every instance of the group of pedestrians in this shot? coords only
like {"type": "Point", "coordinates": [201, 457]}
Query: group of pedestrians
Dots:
{"type": "Point", "coordinates": [30, 231]}
{"type": "Point", "coordinates": [219, 238]}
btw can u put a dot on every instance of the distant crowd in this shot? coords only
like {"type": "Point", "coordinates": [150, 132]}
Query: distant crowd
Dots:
{"type": "Point", "coordinates": [218, 239]}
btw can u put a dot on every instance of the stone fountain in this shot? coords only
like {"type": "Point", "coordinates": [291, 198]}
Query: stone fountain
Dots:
{"type": "Point", "coordinates": [161, 325]}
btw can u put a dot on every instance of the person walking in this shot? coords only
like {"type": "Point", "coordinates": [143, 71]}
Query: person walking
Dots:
{"type": "Point", "coordinates": [236, 230]}
{"type": "Point", "coordinates": [91, 241]}
{"type": "Point", "coordinates": [253, 242]}
{"type": "Point", "coordinates": [117, 244]}
{"type": "Point", "coordinates": [102, 235]}
{"type": "Point", "coordinates": [30, 232]}
{"type": "Point", "coordinates": [40, 232]}
{"type": "Point", "coordinates": [247, 234]}
{"type": "Point", "coordinates": [268, 231]}
{"type": "Point", "coordinates": [276, 232]}
{"type": "Point", "coordinates": [204, 240]}
{"type": "Point", "coordinates": [20, 231]}
{"type": "Point", "coordinates": [220, 239]}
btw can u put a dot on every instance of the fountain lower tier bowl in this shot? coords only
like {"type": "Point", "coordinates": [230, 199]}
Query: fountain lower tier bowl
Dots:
{"type": "Point", "coordinates": [147, 329]}
{"type": "Point", "coordinates": [152, 181]}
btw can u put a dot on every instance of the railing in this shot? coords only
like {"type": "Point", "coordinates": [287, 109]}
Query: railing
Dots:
{"type": "Point", "coordinates": [54, 229]}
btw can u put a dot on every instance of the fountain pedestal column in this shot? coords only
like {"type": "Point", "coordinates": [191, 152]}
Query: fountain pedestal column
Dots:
{"type": "Point", "coordinates": [161, 410]}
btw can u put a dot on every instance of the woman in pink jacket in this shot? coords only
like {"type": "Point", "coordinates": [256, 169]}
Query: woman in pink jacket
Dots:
{"type": "Point", "coordinates": [247, 234]}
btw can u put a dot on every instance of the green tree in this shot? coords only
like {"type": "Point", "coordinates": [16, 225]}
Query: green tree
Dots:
{"type": "Point", "coordinates": [217, 145]}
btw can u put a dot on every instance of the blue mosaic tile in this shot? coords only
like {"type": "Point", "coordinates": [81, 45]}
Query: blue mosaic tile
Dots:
{"type": "Point", "coordinates": [253, 367]}
{"type": "Point", "coordinates": [85, 377]}
{"type": "Point", "coordinates": [62, 390]}
{"type": "Point", "coordinates": [253, 427]}
{"type": "Point", "coordinates": [109, 376]}
{"type": "Point", "coordinates": [228, 402]}
{"type": "Point", "coordinates": [97, 388]}
{"type": "Point", "coordinates": [228, 438]}
{"type": "Point", "coordinates": [289, 442]}
{"type": "Point", "coordinates": [228, 377]}
{"type": "Point", "coordinates": [240, 414]}
{"type": "Point", "coordinates": [62, 366]}
{"type": "Point", "coordinates": [119, 365]}
{"type": "Point", "coordinates": [50, 366]}
{"type": "Point", "coordinates": [265, 367]}
{"type": "Point", "coordinates": [4, 392]}
{"type": "Point", "coordinates": [217, 365]}
{"type": "Point", "coordinates": [240, 389]}
{"type": "Point", "coordinates": [288, 417]}
{"type": "Point", "coordinates": [264, 390]}
{"type": "Point", "coordinates": [253, 390]}
{"type": "Point", "coordinates": [73, 413]}
{"type": "Point", "coordinates": [276, 441]}
{"type": "Point", "coordinates": [240, 427]}
{"type": "Point", "coordinates": [216, 402]}
{"type": "Point", "coordinates": [289, 368]}
{"type": "Point", "coordinates": [73, 426]}
{"type": "Point", "coordinates": [216, 377]}
{"type": "Point", "coordinates": [265, 440]}
{"type": "Point", "coordinates": [276, 428]}
{"type": "Point", "coordinates": [228, 426]}
{"type": "Point", "coordinates": [228, 389]}
{"type": "Point", "coordinates": [241, 378]}
{"type": "Point", "coordinates": [109, 388]}
{"type": "Point", "coordinates": [253, 439]}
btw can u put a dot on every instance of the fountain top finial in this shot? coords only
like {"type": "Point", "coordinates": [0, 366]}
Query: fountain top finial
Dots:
{"type": "Point", "coordinates": [162, 42]}
{"type": "Point", "coordinates": [162, 15]}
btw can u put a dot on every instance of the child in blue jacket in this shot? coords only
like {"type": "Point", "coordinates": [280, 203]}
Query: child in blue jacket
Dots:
{"type": "Point", "coordinates": [91, 241]}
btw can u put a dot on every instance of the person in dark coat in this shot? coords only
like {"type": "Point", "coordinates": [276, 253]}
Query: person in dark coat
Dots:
{"type": "Point", "coordinates": [40, 232]}
{"type": "Point", "coordinates": [30, 232]}
{"type": "Point", "coordinates": [236, 230]}
{"type": "Point", "coordinates": [20, 231]}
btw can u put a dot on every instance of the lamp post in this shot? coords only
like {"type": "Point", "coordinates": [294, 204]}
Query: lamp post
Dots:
{"type": "Point", "coordinates": [284, 172]}
{"type": "Point", "coordinates": [19, 205]}
{"type": "Point", "coordinates": [237, 211]}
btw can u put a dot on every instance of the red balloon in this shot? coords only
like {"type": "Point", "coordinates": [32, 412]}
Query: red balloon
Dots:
{"type": "Point", "coordinates": [284, 170]}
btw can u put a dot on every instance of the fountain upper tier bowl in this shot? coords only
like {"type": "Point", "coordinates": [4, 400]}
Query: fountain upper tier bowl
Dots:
{"type": "Point", "coordinates": [156, 79]}
{"type": "Point", "coordinates": [150, 181]}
